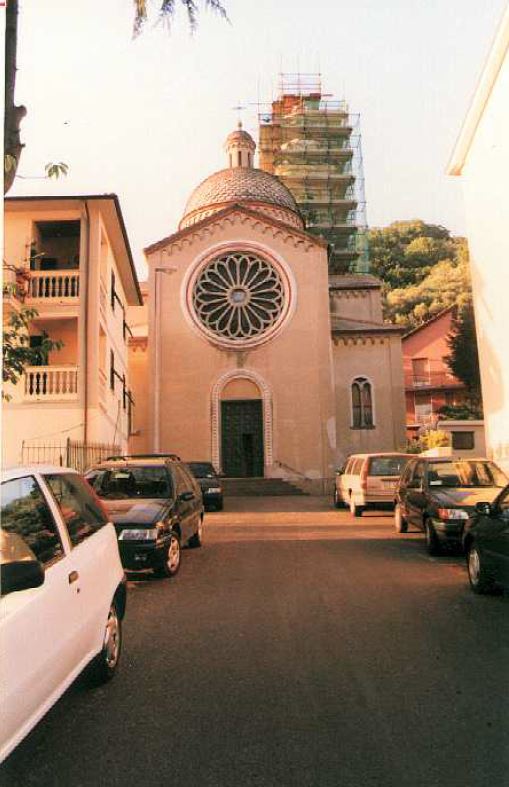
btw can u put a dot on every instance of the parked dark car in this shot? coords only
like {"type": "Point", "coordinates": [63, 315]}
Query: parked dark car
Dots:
{"type": "Point", "coordinates": [486, 543]}
{"type": "Point", "coordinates": [210, 484]}
{"type": "Point", "coordinates": [437, 495]}
{"type": "Point", "coordinates": [156, 506]}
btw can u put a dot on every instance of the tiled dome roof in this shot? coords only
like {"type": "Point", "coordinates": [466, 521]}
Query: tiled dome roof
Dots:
{"type": "Point", "coordinates": [237, 184]}
{"type": "Point", "coordinates": [239, 135]}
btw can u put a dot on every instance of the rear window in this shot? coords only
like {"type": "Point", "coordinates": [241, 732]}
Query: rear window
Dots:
{"type": "Point", "coordinates": [131, 481]}
{"type": "Point", "coordinates": [387, 465]}
{"type": "Point", "coordinates": [468, 473]}
{"type": "Point", "coordinates": [202, 469]}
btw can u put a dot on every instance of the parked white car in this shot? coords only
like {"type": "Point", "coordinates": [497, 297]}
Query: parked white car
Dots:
{"type": "Point", "coordinates": [369, 481]}
{"type": "Point", "coordinates": [63, 593]}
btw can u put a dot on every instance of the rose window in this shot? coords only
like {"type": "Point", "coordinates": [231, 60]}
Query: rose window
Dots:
{"type": "Point", "coordinates": [238, 297]}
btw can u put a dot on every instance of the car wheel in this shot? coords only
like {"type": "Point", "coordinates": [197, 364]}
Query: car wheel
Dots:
{"type": "Point", "coordinates": [481, 580]}
{"type": "Point", "coordinates": [432, 542]}
{"type": "Point", "coordinates": [171, 559]}
{"type": "Point", "coordinates": [338, 503]}
{"type": "Point", "coordinates": [105, 663]}
{"type": "Point", "coordinates": [400, 522]}
{"type": "Point", "coordinates": [355, 510]}
{"type": "Point", "coordinates": [196, 539]}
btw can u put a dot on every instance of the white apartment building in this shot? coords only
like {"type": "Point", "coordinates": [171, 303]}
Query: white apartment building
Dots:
{"type": "Point", "coordinates": [69, 259]}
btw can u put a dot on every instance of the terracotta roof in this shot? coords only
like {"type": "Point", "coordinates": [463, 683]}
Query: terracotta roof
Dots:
{"type": "Point", "coordinates": [353, 282]}
{"type": "Point", "coordinates": [237, 184]}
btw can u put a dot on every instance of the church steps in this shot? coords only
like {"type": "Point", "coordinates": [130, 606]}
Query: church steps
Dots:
{"type": "Point", "coordinates": [258, 487]}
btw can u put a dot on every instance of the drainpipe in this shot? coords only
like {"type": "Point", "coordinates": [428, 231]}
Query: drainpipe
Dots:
{"type": "Point", "coordinates": [84, 299]}
{"type": "Point", "coordinates": [157, 359]}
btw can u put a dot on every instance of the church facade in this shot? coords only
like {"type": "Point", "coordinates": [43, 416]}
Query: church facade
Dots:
{"type": "Point", "coordinates": [247, 353]}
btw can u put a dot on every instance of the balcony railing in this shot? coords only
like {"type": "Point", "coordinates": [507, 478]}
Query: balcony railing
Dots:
{"type": "Point", "coordinates": [51, 383]}
{"type": "Point", "coordinates": [54, 285]}
{"type": "Point", "coordinates": [432, 380]}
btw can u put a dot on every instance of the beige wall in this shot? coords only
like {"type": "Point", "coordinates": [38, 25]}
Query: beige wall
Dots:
{"type": "Point", "coordinates": [84, 322]}
{"type": "Point", "coordinates": [379, 359]}
{"type": "Point", "coordinates": [485, 181]}
{"type": "Point", "coordinates": [295, 366]}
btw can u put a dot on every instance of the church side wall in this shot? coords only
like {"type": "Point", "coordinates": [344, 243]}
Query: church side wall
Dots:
{"type": "Point", "coordinates": [379, 359]}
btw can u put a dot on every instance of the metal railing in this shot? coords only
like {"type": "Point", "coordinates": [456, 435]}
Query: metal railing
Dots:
{"type": "Point", "coordinates": [51, 383]}
{"type": "Point", "coordinates": [431, 379]}
{"type": "Point", "coordinates": [59, 285]}
{"type": "Point", "coordinates": [71, 453]}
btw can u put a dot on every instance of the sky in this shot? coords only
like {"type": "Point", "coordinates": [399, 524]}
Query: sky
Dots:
{"type": "Point", "coordinates": [146, 118]}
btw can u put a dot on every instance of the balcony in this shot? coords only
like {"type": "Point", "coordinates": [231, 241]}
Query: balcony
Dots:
{"type": "Point", "coordinates": [51, 383]}
{"type": "Point", "coordinates": [432, 380]}
{"type": "Point", "coordinates": [54, 286]}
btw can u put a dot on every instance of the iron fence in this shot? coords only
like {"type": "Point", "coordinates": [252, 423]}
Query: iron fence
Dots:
{"type": "Point", "coordinates": [72, 453]}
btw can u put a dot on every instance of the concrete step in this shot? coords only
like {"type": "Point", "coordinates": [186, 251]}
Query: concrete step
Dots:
{"type": "Point", "coordinates": [259, 487]}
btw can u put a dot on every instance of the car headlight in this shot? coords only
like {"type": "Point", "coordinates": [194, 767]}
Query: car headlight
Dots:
{"type": "Point", "coordinates": [139, 534]}
{"type": "Point", "coordinates": [214, 490]}
{"type": "Point", "coordinates": [452, 513]}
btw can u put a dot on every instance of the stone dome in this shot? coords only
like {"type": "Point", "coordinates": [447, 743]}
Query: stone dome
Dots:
{"type": "Point", "coordinates": [242, 185]}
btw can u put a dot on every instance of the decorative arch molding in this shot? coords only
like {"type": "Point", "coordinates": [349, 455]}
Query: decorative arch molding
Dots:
{"type": "Point", "coordinates": [267, 406]}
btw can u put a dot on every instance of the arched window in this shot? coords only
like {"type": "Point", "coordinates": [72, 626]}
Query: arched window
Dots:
{"type": "Point", "coordinates": [239, 158]}
{"type": "Point", "coordinates": [362, 404]}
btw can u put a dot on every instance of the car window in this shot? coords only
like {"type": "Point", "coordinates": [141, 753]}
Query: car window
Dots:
{"type": "Point", "coordinates": [183, 482]}
{"type": "Point", "coordinates": [80, 510]}
{"type": "Point", "coordinates": [419, 473]}
{"type": "Point", "coordinates": [407, 473]}
{"type": "Point", "coordinates": [387, 465]}
{"type": "Point", "coordinates": [349, 464]}
{"type": "Point", "coordinates": [503, 502]}
{"type": "Point", "coordinates": [27, 523]}
{"type": "Point", "coordinates": [143, 481]}
{"type": "Point", "coordinates": [190, 479]}
{"type": "Point", "coordinates": [465, 473]}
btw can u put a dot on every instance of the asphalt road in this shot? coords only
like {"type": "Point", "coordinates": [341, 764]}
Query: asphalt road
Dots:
{"type": "Point", "coordinates": [295, 648]}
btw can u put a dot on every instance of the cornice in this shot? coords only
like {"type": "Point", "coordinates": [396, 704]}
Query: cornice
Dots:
{"type": "Point", "coordinates": [230, 216]}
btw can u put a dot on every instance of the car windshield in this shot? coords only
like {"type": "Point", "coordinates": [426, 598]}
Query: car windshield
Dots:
{"type": "Point", "coordinates": [124, 482]}
{"type": "Point", "coordinates": [202, 469]}
{"type": "Point", "coordinates": [466, 473]}
{"type": "Point", "coordinates": [387, 465]}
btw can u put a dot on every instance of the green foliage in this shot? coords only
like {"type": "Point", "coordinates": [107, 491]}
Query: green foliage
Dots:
{"type": "Point", "coordinates": [463, 360]}
{"type": "Point", "coordinates": [56, 170]}
{"type": "Point", "coordinates": [16, 351]}
{"type": "Point", "coordinates": [461, 412]}
{"type": "Point", "coordinates": [433, 438]}
{"type": "Point", "coordinates": [166, 10]}
{"type": "Point", "coordinates": [423, 268]}
{"type": "Point", "coordinates": [10, 162]}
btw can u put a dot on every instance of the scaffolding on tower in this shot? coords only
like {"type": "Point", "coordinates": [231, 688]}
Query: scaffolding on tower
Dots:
{"type": "Point", "coordinates": [313, 145]}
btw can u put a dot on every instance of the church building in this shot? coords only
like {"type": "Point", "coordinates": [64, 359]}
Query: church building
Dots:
{"type": "Point", "coordinates": [248, 352]}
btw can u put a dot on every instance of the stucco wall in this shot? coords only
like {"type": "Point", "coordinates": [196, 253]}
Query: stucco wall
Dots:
{"type": "Point", "coordinates": [294, 366]}
{"type": "Point", "coordinates": [378, 358]}
{"type": "Point", "coordinates": [486, 197]}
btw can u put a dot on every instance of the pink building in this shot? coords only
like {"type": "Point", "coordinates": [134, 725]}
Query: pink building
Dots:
{"type": "Point", "coordinates": [429, 384]}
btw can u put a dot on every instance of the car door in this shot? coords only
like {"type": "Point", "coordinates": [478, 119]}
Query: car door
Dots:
{"type": "Point", "coordinates": [185, 503]}
{"type": "Point", "coordinates": [415, 502]}
{"type": "Point", "coordinates": [40, 638]}
{"type": "Point", "coordinates": [94, 559]}
{"type": "Point", "coordinates": [495, 536]}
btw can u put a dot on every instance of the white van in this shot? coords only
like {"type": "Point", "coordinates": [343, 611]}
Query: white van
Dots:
{"type": "Point", "coordinates": [63, 593]}
{"type": "Point", "coordinates": [369, 481]}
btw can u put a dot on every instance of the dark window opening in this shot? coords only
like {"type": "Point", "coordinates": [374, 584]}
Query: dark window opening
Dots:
{"type": "Point", "coordinates": [55, 246]}
{"type": "Point", "coordinates": [463, 441]}
{"type": "Point", "coordinates": [362, 404]}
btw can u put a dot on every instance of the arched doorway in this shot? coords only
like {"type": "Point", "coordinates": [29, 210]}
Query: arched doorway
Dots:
{"type": "Point", "coordinates": [241, 429]}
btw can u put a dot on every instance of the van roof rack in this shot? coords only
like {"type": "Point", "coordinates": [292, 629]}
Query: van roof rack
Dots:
{"type": "Point", "coordinates": [124, 457]}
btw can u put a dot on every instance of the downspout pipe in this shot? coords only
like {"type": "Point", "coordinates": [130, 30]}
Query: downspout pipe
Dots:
{"type": "Point", "coordinates": [84, 300]}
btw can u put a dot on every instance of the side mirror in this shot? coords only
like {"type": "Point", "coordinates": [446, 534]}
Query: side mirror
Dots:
{"type": "Point", "coordinates": [485, 509]}
{"type": "Point", "coordinates": [186, 496]}
{"type": "Point", "coordinates": [21, 575]}
{"type": "Point", "coordinates": [339, 470]}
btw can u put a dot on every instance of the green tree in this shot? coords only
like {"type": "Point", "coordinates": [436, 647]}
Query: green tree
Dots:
{"type": "Point", "coordinates": [17, 353]}
{"type": "Point", "coordinates": [463, 360]}
{"type": "Point", "coordinates": [423, 269]}
{"type": "Point", "coordinates": [13, 115]}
